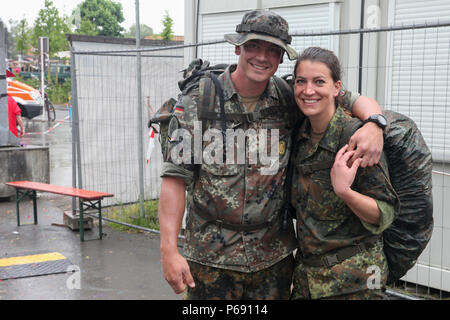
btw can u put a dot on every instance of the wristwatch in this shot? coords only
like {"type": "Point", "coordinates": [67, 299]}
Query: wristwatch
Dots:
{"type": "Point", "coordinates": [378, 119]}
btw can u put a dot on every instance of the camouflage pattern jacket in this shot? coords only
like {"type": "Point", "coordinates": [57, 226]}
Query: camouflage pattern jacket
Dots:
{"type": "Point", "coordinates": [325, 223]}
{"type": "Point", "coordinates": [235, 193]}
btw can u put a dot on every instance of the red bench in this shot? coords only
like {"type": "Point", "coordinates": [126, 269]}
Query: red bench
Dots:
{"type": "Point", "coordinates": [87, 199]}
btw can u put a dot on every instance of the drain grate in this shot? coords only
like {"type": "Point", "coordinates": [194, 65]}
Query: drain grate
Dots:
{"type": "Point", "coordinates": [33, 265]}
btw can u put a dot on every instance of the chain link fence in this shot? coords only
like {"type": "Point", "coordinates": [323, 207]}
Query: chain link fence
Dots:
{"type": "Point", "coordinates": [406, 69]}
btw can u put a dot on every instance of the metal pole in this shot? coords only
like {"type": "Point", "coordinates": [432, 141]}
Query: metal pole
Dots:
{"type": "Point", "coordinates": [74, 141]}
{"type": "Point", "coordinates": [196, 27]}
{"type": "Point", "coordinates": [361, 43]}
{"type": "Point", "coordinates": [41, 41]}
{"type": "Point", "coordinates": [76, 150]}
{"type": "Point", "coordinates": [139, 116]}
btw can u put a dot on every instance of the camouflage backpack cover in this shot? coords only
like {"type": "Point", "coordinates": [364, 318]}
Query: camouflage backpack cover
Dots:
{"type": "Point", "coordinates": [410, 166]}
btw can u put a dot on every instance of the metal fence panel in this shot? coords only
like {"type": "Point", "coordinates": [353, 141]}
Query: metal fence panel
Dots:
{"type": "Point", "coordinates": [107, 105]}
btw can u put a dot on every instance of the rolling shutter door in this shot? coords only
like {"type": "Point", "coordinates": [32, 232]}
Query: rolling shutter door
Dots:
{"type": "Point", "coordinates": [301, 19]}
{"type": "Point", "coordinates": [419, 81]}
{"type": "Point", "coordinates": [306, 19]}
{"type": "Point", "coordinates": [213, 27]}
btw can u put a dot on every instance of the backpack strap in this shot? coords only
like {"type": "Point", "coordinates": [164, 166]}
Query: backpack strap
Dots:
{"type": "Point", "coordinates": [288, 209]}
{"type": "Point", "coordinates": [223, 122]}
{"type": "Point", "coordinates": [246, 117]}
{"type": "Point", "coordinates": [207, 103]}
{"type": "Point", "coordinates": [285, 91]}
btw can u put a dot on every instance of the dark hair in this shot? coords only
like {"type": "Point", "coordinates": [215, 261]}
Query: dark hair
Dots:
{"type": "Point", "coordinates": [321, 55]}
{"type": "Point", "coordinates": [325, 56]}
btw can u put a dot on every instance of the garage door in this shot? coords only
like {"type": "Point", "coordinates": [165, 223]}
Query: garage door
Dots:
{"type": "Point", "coordinates": [418, 83]}
{"type": "Point", "coordinates": [301, 19]}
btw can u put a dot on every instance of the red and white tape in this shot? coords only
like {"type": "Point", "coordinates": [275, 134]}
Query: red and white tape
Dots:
{"type": "Point", "coordinates": [49, 129]}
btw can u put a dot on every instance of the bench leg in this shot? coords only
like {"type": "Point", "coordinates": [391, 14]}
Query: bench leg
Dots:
{"type": "Point", "coordinates": [100, 219]}
{"type": "Point", "coordinates": [81, 221]}
{"type": "Point", "coordinates": [19, 196]}
{"type": "Point", "coordinates": [17, 207]}
{"type": "Point", "coordinates": [91, 205]}
{"type": "Point", "coordinates": [33, 195]}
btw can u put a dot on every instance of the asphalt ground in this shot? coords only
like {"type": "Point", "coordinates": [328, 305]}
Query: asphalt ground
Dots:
{"type": "Point", "coordinates": [121, 266]}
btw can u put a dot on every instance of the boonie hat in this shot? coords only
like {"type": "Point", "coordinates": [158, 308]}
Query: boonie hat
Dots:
{"type": "Point", "coordinates": [263, 25]}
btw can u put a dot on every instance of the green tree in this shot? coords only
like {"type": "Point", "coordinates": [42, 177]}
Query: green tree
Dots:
{"type": "Point", "coordinates": [99, 17]}
{"type": "Point", "coordinates": [167, 33]}
{"type": "Point", "coordinates": [19, 37]}
{"type": "Point", "coordinates": [88, 28]}
{"type": "Point", "coordinates": [50, 24]}
{"type": "Point", "coordinates": [22, 36]}
{"type": "Point", "coordinates": [145, 30]}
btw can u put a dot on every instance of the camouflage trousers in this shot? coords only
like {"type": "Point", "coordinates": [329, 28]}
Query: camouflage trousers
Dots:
{"type": "Point", "coordinates": [301, 290]}
{"type": "Point", "coordinates": [273, 283]}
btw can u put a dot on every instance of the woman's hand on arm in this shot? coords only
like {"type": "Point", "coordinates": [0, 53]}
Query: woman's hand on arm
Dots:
{"type": "Point", "coordinates": [342, 178]}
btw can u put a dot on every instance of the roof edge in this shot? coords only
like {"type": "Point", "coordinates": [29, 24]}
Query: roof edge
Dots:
{"type": "Point", "coordinates": [115, 40]}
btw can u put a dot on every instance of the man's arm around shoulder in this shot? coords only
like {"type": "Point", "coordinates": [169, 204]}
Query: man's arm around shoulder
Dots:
{"type": "Point", "coordinates": [368, 140]}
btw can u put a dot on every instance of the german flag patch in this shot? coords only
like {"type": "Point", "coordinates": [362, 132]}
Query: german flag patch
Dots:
{"type": "Point", "coordinates": [179, 109]}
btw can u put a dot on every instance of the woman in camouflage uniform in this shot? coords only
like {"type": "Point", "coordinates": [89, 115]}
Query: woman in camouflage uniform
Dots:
{"type": "Point", "coordinates": [341, 211]}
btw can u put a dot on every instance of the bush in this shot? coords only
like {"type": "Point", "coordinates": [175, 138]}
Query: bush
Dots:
{"type": "Point", "coordinates": [59, 93]}
{"type": "Point", "coordinates": [131, 214]}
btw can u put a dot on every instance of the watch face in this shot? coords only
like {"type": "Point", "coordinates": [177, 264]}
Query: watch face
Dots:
{"type": "Point", "coordinates": [381, 120]}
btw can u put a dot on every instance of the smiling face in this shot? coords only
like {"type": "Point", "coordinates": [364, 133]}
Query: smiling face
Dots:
{"type": "Point", "coordinates": [258, 60]}
{"type": "Point", "coordinates": [315, 90]}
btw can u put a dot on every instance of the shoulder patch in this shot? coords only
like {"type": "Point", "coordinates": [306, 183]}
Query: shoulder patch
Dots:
{"type": "Point", "coordinates": [179, 109]}
{"type": "Point", "coordinates": [173, 125]}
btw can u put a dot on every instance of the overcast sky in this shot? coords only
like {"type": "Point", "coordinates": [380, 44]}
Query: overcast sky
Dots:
{"type": "Point", "coordinates": [151, 11]}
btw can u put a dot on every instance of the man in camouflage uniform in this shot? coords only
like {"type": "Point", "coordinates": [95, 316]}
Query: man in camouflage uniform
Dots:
{"type": "Point", "coordinates": [235, 246]}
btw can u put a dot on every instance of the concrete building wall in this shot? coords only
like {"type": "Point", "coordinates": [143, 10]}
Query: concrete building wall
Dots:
{"type": "Point", "coordinates": [23, 163]}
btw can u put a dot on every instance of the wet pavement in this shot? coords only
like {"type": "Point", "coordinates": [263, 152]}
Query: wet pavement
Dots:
{"type": "Point", "coordinates": [122, 266]}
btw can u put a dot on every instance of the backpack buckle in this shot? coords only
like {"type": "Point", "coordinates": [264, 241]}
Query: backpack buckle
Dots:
{"type": "Point", "coordinates": [249, 117]}
{"type": "Point", "coordinates": [219, 224]}
{"type": "Point", "coordinates": [305, 169]}
{"type": "Point", "coordinates": [252, 116]}
{"type": "Point", "coordinates": [330, 260]}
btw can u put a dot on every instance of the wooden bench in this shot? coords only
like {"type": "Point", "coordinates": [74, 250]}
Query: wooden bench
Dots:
{"type": "Point", "coordinates": [87, 199]}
